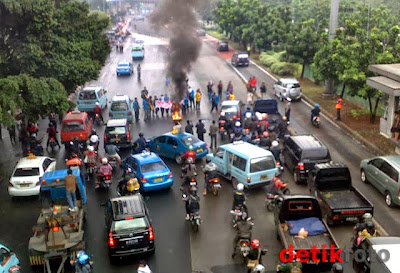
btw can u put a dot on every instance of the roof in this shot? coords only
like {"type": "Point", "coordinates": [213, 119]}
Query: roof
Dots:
{"type": "Point", "coordinates": [385, 84]}
{"type": "Point", "coordinates": [179, 135]}
{"type": "Point", "coordinates": [91, 87]}
{"type": "Point", "coordinates": [145, 158]}
{"type": "Point", "coordinates": [127, 206]}
{"type": "Point", "coordinates": [76, 115]}
{"type": "Point", "coordinates": [309, 141]}
{"type": "Point", "coordinates": [230, 102]}
{"type": "Point", "coordinates": [392, 250]}
{"type": "Point", "coordinates": [123, 63]}
{"type": "Point", "coordinates": [26, 162]}
{"type": "Point", "coordinates": [289, 80]}
{"type": "Point", "coordinates": [59, 174]}
{"type": "Point", "coordinates": [384, 240]}
{"type": "Point", "coordinates": [330, 165]}
{"type": "Point", "coordinates": [393, 159]}
{"type": "Point", "coordinates": [298, 196]}
{"type": "Point", "coordinates": [246, 149]}
{"type": "Point", "coordinates": [120, 98]}
{"type": "Point", "coordinates": [117, 122]}
{"type": "Point", "coordinates": [391, 71]}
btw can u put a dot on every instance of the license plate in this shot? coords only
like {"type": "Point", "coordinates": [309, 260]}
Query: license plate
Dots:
{"type": "Point", "coordinates": [24, 185]}
{"type": "Point", "coordinates": [88, 102]}
{"type": "Point", "coordinates": [121, 115]}
{"type": "Point", "coordinates": [264, 177]}
{"type": "Point", "coordinates": [132, 242]}
{"type": "Point", "coordinates": [351, 219]}
{"type": "Point", "coordinates": [158, 179]}
{"type": "Point", "coordinates": [193, 183]}
{"type": "Point", "coordinates": [199, 150]}
{"type": "Point", "coordinates": [217, 186]}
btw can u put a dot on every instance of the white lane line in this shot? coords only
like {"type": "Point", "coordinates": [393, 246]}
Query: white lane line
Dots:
{"type": "Point", "coordinates": [265, 71]}
{"type": "Point", "coordinates": [237, 72]}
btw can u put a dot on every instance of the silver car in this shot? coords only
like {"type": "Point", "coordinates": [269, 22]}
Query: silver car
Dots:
{"type": "Point", "coordinates": [287, 88]}
{"type": "Point", "coordinates": [383, 173]}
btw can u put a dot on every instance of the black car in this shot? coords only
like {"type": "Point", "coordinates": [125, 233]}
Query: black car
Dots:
{"type": "Point", "coordinates": [118, 133]}
{"type": "Point", "coordinates": [128, 226]}
{"type": "Point", "coordinates": [301, 153]}
{"type": "Point", "coordinates": [240, 59]}
{"type": "Point", "coordinates": [222, 46]}
{"type": "Point", "coordinates": [201, 32]}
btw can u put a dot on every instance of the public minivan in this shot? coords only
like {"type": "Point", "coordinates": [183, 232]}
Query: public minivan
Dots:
{"type": "Point", "coordinates": [88, 97]}
{"type": "Point", "coordinates": [242, 162]}
{"type": "Point", "coordinates": [121, 107]}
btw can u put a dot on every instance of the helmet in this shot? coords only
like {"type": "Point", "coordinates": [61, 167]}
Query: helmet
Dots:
{"type": "Point", "coordinates": [275, 143]}
{"type": "Point", "coordinates": [208, 160]}
{"type": "Point", "coordinates": [284, 118]}
{"type": "Point", "coordinates": [265, 134]}
{"type": "Point", "coordinates": [248, 115]}
{"type": "Point", "coordinates": [369, 225]}
{"type": "Point", "coordinates": [316, 105]}
{"type": "Point", "coordinates": [240, 187]}
{"type": "Point", "coordinates": [244, 216]}
{"type": "Point", "coordinates": [51, 124]}
{"type": "Point", "coordinates": [104, 160]}
{"type": "Point", "coordinates": [91, 148]}
{"type": "Point", "coordinates": [33, 135]}
{"type": "Point", "coordinates": [222, 114]}
{"type": "Point", "coordinates": [190, 148]}
{"type": "Point", "coordinates": [140, 134]}
{"type": "Point", "coordinates": [255, 244]}
{"type": "Point", "coordinates": [288, 99]}
{"type": "Point", "coordinates": [237, 124]}
{"type": "Point", "coordinates": [190, 160]}
{"type": "Point", "coordinates": [258, 269]}
{"type": "Point", "coordinates": [97, 103]}
{"type": "Point", "coordinates": [93, 131]}
{"type": "Point", "coordinates": [337, 268]}
{"type": "Point", "coordinates": [367, 217]}
{"type": "Point", "coordinates": [82, 257]}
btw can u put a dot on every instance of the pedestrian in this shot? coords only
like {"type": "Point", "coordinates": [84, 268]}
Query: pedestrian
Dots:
{"type": "Point", "coordinates": [338, 106]}
{"type": "Point", "coordinates": [11, 131]}
{"type": "Point", "coordinates": [248, 49]}
{"type": "Point", "coordinates": [220, 88]}
{"type": "Point", "coordinates": [166, 81]}
{"type": "Point", "coordinates": [229, 88]}
{"type": "Point", "coordinates": [214, 102]}
{"type": "Point", "coordinates": [191, 97]}
{"type": "Point", "coordinates": [156, 106]}
{"type": "Point", "coordinates": [263, 89]}
{"type": "Point", "coordinates": [136, 108]}
{"type": "Point", "coordinates": [152, 108]}
{"type": "Point", "coordinates": [189, 127]}
{"type": "Point", "coordinates": [185, 104]}
{"type": "Point", "coordinates": [146, 108]}
{"type": "Point", "coordinates": [209, 90]}
{"type": "Point", "coordinates": [213, 134]}
{"type": "Point", "coordinates": [200, 130]}
{"type": "Point", "coordinates": [253, 83]}
{"type": "Point", "coordinates": [70, 188]}
{"type": "Point", "coordinates": [288, 109]}
{"type": "Point", "coordinates": [167, 104]}
{"type": "Point", "coordinates": [198, 98]}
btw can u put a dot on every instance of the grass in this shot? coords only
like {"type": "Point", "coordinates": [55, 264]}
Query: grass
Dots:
{"type": "Point", "coordinates": [217, 35]}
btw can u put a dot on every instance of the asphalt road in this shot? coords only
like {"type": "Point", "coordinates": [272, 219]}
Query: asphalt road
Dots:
{"type": "Point", "coordinates": [178, 249]}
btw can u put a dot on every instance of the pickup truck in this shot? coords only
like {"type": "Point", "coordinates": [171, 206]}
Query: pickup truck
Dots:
{"type": "Point", "coordinates": [269, 107]}
{"type": "Point", "coordinates": [331, 184]}
{"type": "Point", "coordinates": [300, 211]}
{"type": "Point", "coordinates": [58, 232]}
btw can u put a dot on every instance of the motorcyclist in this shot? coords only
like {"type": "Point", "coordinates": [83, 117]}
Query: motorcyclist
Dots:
{"type": "Point", "coordinates": [237, 129]}
{"type": "Point", "coordinates": [140, 143]}
{"type": "Point", "coordinates": [275, 186]}
{"type": "Point", "coordinates": [263, 124]}
{"type": "Point", "coordinates": [90, 156]}
{"type": "Point", "coordinates": [32, 128]}
{"type": "Point", "coordinates": [35, 145]}
{"type": "Point", "coordinates": [291, 266]}
{"type": "Point", "coordinates": [143, 267]}
{"type": "Point", "coordinates": [282, 128]}
{"type": "Point", "coordinates": [104, 169]}
{"type": "Point", "coordinates": [337, 268]}
{"type": "Point", "coordinates": [192, 203]}
{"type": "Point", "coordinates": [245, 136]}
{"type": "Point", "coordinates": [248, 113]}
{"type": "Point", "coordinates": [190, 153]}
{"type": "Point", "coordinates": [83, 264]}
{"type": "Point", "coordinates": [368, 231]}
{"type": "Point", "coordinates": [243, 231]}
{"type": "Point", "coordinates": [94, 139]}
{"type": "Point", "coordinates": [227, 124]}
{"type": "Point", "coordinates": [75, 147]}
{"type": "Point", "coordinates": [255, 255]}
{"type": "Point", "coordinates": [239, 198]}
{"type": "Point", "coordinates": [188, 171]}
{"type": "Point", "coordinates": [97, 110]}
{"type": "Point", "coordinates": [112, 152]}
{"type": "Point", "coordinates": [53, 119]}
{"type": "Point", "coordinates": [275, 150]}
{"type": "Point", "coordinates": [209, 173]}
{"type": "Point", "coordinates": [52, 133]}
{"type": "Point", "coordinates": [265, 141]}
{"type": "Point", "coordinates": [129, 187]}
{"type": "Point", "coordinates": [315, 112]}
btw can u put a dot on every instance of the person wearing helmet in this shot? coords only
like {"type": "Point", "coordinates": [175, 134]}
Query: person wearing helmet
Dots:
{"type": "Point", "coordinates": [254, 256]}
{"type": "Point", "coordinates": [239, 198]}
{"type": "Point", "coordinates": [237, 129]}
{"type": "Point", "coordinates": [245, 136]}
{"type": "Point", "coordinates": [94, 140]}
{"type": "Point", "coordinates": [248, 113]}
{"type": "Point", "coordinates": [188, 171]}
{"type": "Point", "coordinates": [243, 231]}
{"type": "Point", "coordinates": [281, 129]}
{"type": "Point", "coordinates": [190, 153]}
{"type": "Point", "coordinates": [143, 267]}
{"type": "Point", "coordinates": [224, 122]}
{"type": "Point", "coordinates": [98, 110]}
{"type": "Point", "coordinates": [367, 217]}
{"type": "Point", "coordinates": [192, 202]}
{"type": "Point", "coordinates": [140, 143]}
{"type": "Point", "coordinates": [130, 187]}
{"type": "Point", "coordinates": [337, 268]}
{"type": "Point", "coordinates": [35, 145]}
{"type": "Point", "coordinates": [209, 173]}
{"type": "Point", "coordinates": [275, 150]}
{"type": "Point", "coordinates": [52, 133]}
{"type": "Point", "coordinates": [258, 269]}
{"type": "Point", "coordinates": [90, 156]}
{"type": "Point", "coordinates": [368, 231]}
{"type": "Point", "coordinates": [315, 112]}
{"type": "Point", "coordinates": [32, 128]}
{"type": "Point", "coordinates": [104, 169]}
{"type": "Point", "coordinates": [263, 124]}
{"type": "Point", "coordinates": [83, 264]}
{"type": "Point", "coordinates": [112, 152]}
{"type": "Point", "coordinates": [265, 141]}
{"type": "Point", "coordinates": [293, 264]}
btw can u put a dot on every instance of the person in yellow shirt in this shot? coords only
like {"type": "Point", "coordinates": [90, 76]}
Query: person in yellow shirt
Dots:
{"type": "Point", "coordinates": [231, 96]}
{"type": "Point", "coordinates": [198, 98]}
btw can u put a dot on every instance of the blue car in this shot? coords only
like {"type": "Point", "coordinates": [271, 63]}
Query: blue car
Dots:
{"type": "Point", "coordinates": [124, 68]}
{"type": "Point", "coordinates": [9, 260]}
{"type": "Point", "coordinates": [150, 170]}
{"type": "Point", "coordinates": [175, 145]}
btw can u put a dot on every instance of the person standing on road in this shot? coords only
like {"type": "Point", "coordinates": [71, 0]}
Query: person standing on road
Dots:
{"type": "Point", "coordinates": [191, 97]}
{"type": "Point", "coordinates": [70, 188]}
{"type": "Point", "coordinates": [229, 88]}
{"type": "Point", "coordinates": [200, 130]}
{"type": "Point", "coordinates": [146, 108]}
{"type": "Point", "coordinates": [288, 109]}
{"type": "Point", "coordinates": [189, 127]}
{"type": "Point", "coordinates": [198, 98]}
{"type": "Point", "coordinates": [263, 90]}
{"type": "Point", "coordinates": [152, 107]}
{"type": "Point", "coordinates": [338, 106]}
{"type": "Point", "coordinates": [209, 89]}
{"type": "Point", "coordinates": [136, 108]}
{"type": "Point", "coordinates": [220, 88]}
{"type": "Point", "coordinates": [253, 84]}
{"type": "Point", "coordinates": [166, 82]}
{"type": "Point", "coordinates": [11, 131]}
{"type": "Point", "coordinates": [214, 102]}
{"type": "Point", "coordinates": [213, 134]}
{"type": "Point", "coordinates": [139, 69]}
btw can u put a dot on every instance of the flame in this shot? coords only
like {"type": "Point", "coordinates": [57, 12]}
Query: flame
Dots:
{"type": "Point", "coordinates": [176, 116]}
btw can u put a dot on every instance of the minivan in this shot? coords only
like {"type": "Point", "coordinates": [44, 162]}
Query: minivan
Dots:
{"type": "Point", "coordinates": [117, 132]}
{"type": "Point", "coordinates": [240, 59]}
{"type": "Point", "coordinates": [245, 163]}
{"type": "Point", "coordinates": [301, 153]}
{"type": "Point", "coordinates": [232, 109]}
{"type": "Point", "coordinates": [88, 97]}
{"type": "Point", "coordinates": [121, 107]}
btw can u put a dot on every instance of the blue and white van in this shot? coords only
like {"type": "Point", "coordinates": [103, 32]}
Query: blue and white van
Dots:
{"type": "Point", "coordinates": [245, 163]}
{"type": "Point", "coordinates": [121, 107]}
{"type": "Point", "coordinates": [88, 97]}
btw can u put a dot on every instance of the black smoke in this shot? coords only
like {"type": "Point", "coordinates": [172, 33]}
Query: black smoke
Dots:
{"type": "Point", "coordinates": [178, 18]}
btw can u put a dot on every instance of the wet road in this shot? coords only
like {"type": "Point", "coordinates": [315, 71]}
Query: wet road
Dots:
{"type": "Point", "coordinates": [177, 248]}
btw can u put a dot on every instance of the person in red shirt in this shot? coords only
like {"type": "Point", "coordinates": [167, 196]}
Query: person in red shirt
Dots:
{"type": "Point", "coordinates": [97, 110]}
{"type": "Point", "coordinates": [253, 83]}
{"type": "Point", "coordinates": [189, 153]}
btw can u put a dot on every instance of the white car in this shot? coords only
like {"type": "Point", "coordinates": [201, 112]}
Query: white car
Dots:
{"type": "Point", "coordinates": [25, 178]}
{"type": "Point", "coordinates": [287, 88]}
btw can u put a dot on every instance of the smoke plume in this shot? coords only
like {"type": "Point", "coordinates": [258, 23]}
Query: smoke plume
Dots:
{"type": "Point", "coordinates": [178, 17]}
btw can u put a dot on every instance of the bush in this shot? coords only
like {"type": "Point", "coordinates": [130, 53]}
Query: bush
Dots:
{"type": "Point", "coordinates": [268, 60]}
{"type": "Point", "coordinates": [284, 68]}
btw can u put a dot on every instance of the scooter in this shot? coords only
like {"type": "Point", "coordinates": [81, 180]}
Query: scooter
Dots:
{"type": "Point", "coordinates": [52, 143]}
{"type": "Point", "coordinates": [214, 185]}
{"type": "Point", "coordinates": [237, 213]}
{"type": "Point", "coordinates": [104, 180]}
{"type": "Point", "coordinates": [271, 200]}
{"type": "Point", "coordinates": [316, 121]}
{"type": "Point", "coordinates": [97, 119]}
{"type": "Point", "coordinates": [222, 130]}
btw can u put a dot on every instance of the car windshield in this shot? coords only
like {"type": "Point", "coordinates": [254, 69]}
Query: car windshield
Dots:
{"type": "Point", "coordinates": [22, 172]}
{"type": "Point", "coordinates": [123, 65]}
{"type": "Point", "coordinates": [261, 164]}
{"type": "Point", "coordinates": [119, 106]}
{"type": "Point", "coordinates": [73, 126]}
{"type": "Point", "coordinates": [116, 130]}
{"type": "Point", "coordinates": [136, 49]}
{"type": "Point", "coordinates": [87, 95]}
{"type": "Point", "coordinates": [229, 109]}
{"type": "Point", "coordinates": [152, 167]}
{"type": "Point", "coordinates": [131, 224]}
{"type": "Point", "coordinates": [190, 140]}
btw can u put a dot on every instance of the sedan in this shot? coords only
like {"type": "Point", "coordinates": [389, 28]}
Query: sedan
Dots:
{"type": "Point", "coordinates": [9, 260]}
{"type": "Point", "coordinates": [150, 170]}
{"type": "Point", "coordinates": [222, 46]}
{"type": "Point", "coordinates": [175, 145]}
{"type": "Point", "coordinates": [25, 179]}
{"type": "Point", "coordinates": [124, 68]}
{"type": "Point", "coordinates": [383, 173]}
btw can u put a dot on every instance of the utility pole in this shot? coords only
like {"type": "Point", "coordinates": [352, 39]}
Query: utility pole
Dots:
{"type": "Point", "coordinates": [334, 19]}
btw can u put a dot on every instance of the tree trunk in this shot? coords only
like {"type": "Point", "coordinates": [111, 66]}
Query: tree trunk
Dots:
{"type": "Point", "coordinates": [329, 87]}
{"type": "Point", "coordinates": [343, 89]}
{"type": "Point", "coordinates": [370, 110]}
{"type": "Point", "coordinates": [302, 70]}
{"type": "Point", "coordinates": [373, 117]}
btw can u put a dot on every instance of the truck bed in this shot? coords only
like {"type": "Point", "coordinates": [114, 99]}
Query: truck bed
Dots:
{"type": "Point", "coordinates": [308, 242]}
{"type": "Point", "coordinates": [348, 199]}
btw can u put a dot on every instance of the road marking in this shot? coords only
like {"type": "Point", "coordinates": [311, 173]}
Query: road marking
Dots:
{"type": "Point", "coordinates": [237, 71]}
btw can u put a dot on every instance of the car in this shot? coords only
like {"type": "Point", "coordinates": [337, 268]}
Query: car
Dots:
{"type": "Point", "coordinates": [76, 124]}
{"type": "Point", "coordinates": [128, 225]}
{"type": "Point", "coordinates": [137, 52]}
{"type": "Point", "coordinates": [88, 97]}
{"type": "Point", "coordinates": [300, 154]}
{"type": "Point", "coordinates": [9, 260]}
{"type": "Point", "coordinates": [222, 45]}
{"type": "Point", "coordinates": [240, 59]}
{"type": "Point", "coordinates": [139, 43]}
{"type": "Point", "coordinates": [201, 32]}
{"type": "Point", "coordinates": [117, 132]}
{"type": "Point", "coordinates": [121, 107]}
{"type": "Point", "coordinates": [288, 88]}
{"type": "Point", "coordinates": [139, 18]}
{"type": "Point", "coordinates": [25, 179]}
{"type": "Point", "coordinates": [232, 109]}
{"type": "Point", "coordinates": [150, 170]}
{"type": "Point", "coordinates": [173, 146]}
{"type": "Point", "coordinates": [124, 68]}
{"type": "Point", "coordinates": [383, 173]}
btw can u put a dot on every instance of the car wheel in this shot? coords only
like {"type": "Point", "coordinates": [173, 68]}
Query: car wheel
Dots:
{"type": "Point", "coordinates": [235, 183]}
{"type": "Point", "coordinates": [364, 177]}
{"type": "Point", "coordinates": [388, 199]}
{"type": "Point", "coordinates": [178, 159]}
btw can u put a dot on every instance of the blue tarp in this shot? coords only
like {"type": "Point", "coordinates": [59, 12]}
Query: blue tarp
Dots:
{"type": "Point", "coordinates": [313, 225]}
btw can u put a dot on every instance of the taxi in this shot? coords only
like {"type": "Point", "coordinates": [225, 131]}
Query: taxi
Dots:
{"type": "Point", "coordinates": [137, 51]}
{"type": "Point", "coordinates": [25, 179]}
{"type": "Point", "coordinates": [9, 260]}
{"type": "Point", "coordinates": [152, 173]}
{"type": "Point", "coordinates": [175, 145]}
{"type": "Point", "coordinates": [124, 68]}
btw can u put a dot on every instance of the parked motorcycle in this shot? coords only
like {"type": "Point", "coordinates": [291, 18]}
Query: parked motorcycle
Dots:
{"type": "Point", "coordinates": [105, 180]}
{"type": "Point", "coordinates": [316, 121]}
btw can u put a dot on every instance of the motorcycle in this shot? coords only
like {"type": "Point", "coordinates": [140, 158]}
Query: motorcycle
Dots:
{"type": "Point", "coordinates": [222, 130]}
{"type": "Point", "coordinates": [74, 163]}
{"type": "Point", "coordinates": [214, 185]}
{"type": "Point", "coordinates": [52, 143]}
{"type": "Point", "coordinates": [37, 150]}
{"type": "Point", "coordinates": [271, 200]}
{"type": "Point", "coordinates": [279, 166]}
{"type": "Point", "coordinates": [91, 167]}
{"type": "Point", "coordinates": [105, 180]}
{"type": "Point", "coordinates": [237, 214]}
{"type": "Point", "coordinates": [97, 119]}
{"type": "Point", "coordinates": [113, 162]}
{"type": "Point", "coordinates": [316, 121]}
{"type": "Point", "coordinates": [194, 218]}
{"type": "Point", "coordinates": [244, 245]}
